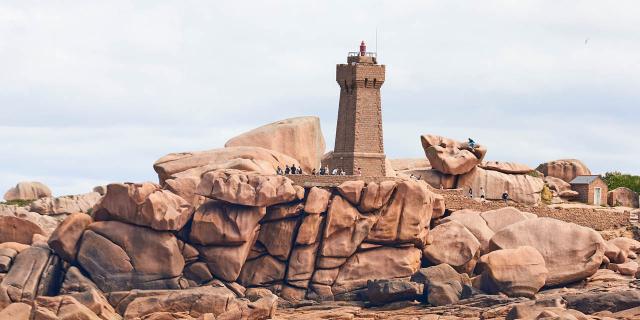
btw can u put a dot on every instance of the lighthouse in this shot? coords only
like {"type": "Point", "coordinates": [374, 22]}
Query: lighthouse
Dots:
{"type": "Point", "coordinates": [358, 142]}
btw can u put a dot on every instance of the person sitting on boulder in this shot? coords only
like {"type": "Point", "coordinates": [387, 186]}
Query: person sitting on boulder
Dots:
{"type": "Point", "coordinates": [287, 170]}
{"type": "Point", "coordinates": [505, 197]}
{"type": "Point", "coordinates": [472, 144]}
{"type": "Point", "coordinates": [279, 171]}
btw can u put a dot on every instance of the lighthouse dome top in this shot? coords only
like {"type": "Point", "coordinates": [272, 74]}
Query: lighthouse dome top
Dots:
{"type": "Point", "coordinates": [362, 56]}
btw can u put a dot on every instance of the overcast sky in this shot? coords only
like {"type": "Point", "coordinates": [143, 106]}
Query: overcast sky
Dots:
{"type": "Point", "coordinates": [95, 91]}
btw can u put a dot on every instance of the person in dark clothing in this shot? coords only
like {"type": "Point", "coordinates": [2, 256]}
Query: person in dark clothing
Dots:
{"type": "Point", "coordinates": [313, 172]}
{"type": "Point", "coordinates": [287, 170]}
{"type": "Point", "coordinates": [321, 171]}
{"type": "Point", "coordinates": [472, 144]}
{"type": "Point", "coordinates": [293, 169]}
{"type": "Point", "coordinates": [505, 197]}
{"type": "Point", "coordinates": [279, 171]}
{"type": "Point", "coordinates": [471, 193]}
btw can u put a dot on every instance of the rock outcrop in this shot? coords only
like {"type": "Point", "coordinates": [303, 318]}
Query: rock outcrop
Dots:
{"type": "Point", "coordinates": [518, 272]}
{"type": "Point", "coordinates": [194, 164]}
{"type": "Point", "coordinates": [300, 138]}
{"type": "Point", "coordinates": [506, 167]}
{"type": "Point", "coordinates": [65, 205]}
{"type": "Point", "coordinates": [565, 169]}
{"type": "Point", "coordinates": [623, 197]}
{"type": "Point", "coordinates": [451, 157]}
{"type": "Point", "coordinates": [571, 252]}
{"type": "Point", "coordinates": [522, 188]}
{"type": "Point", "coordinates": [27, 191]}
{"type": "Point", "coordinates": [13, 229]}
{"type": "Point", "coordinates": [454, 245]}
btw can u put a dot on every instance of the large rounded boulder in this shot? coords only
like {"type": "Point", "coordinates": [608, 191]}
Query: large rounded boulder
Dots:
{"type": "Point", "coordinates": [119, 256]}
{"type": "Point", "coordinates": [519, 272]}
{"type": "Point", "coordinates": [454, 245]}
{"type": "Point", "coordinates": [571, 252]}
{"type": "Point", "coordinates": [300, 138]}
{"type": "Point", "coordinates": [522, 188]}
{"type": "Point", "coordinates": [565, 169]}
{"type": "Point", "coordinates": [29, 190]}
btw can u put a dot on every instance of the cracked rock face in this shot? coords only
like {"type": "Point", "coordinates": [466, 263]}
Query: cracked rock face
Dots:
{"type": "Point", "coordinates": [451, 157]}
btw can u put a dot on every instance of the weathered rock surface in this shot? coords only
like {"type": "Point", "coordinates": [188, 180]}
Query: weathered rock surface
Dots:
{"type": "Point", "coordinates": [387, 291]}
{"type": "Point", "coordinates": [351, 191]}
{"type": "Point", "coordinates": [27, 191]}
{"type": "Point", "coordinates": [503, 217]}
{"type": "Point", "coordinates": [409, 164]}
{"type": "Point", "coordinates": [35, 272]}
{"type": "Point", "coordinates": [13, 229]}
{"type": "Point", "coordinates": [506, 167]}
{"type": "Point", "coordinates": [16, 311]}
{"type": "Point", "coordinates": [62, 307]}
{"type": "Point", "coordinates": [225, 262]}
{"type": "Point", "coordinates": [519, 272]}
{"type": "Point", "coordinates": [145, 204]}
{"type": "Point", "coordinates": [66, 204]}
{"type": "Point", "coordinates": [433, 177]}
{"type": "Point", "coordinates": [565, 169]}
{"type": "Point", "coordinates": [345, 229]}
{"type": "Point", "coordinates": [300, 138]}
{"type": "Point", "coordinates": [611, 301]}
{"type": "Point", "coordinates": [248, 159]}
{"type": "Point", "coordinates": [521, 188]}
{"type": "Point", "coordinates": [120, 256]}
{"type": "Point", "coordinates": [473, 221]}
{"type": "Point", "coordinates": [381, 263]}
{"type": "Point", "coordinates": [442, 284]}
{"type": "Point", "coordinates": [450, 156]}
{"type": "Point", "coordinates": [623, 197]}
{"type": "Point", "coordinates": [317, 201]}
{"type": "Point", "coordinates": [65, 240]}
{"type": "Point", "coordinates": [571, 252]}
{"type": "Point", "coordinates": [406, 217]}
{"type": "Point", "coordinates": [454, 245]}
{"type": "Point", "coordinates": [216, 223]}
{"type": "Point", "coordinates": [619, 249]}
{"type": "Point", "coordinates": [248, 189]}
{"type": "Point", "coordinates": [208, 302]}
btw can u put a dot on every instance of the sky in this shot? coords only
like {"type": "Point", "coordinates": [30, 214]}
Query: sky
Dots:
{"type": "Point", "coordinates": [93, 92]}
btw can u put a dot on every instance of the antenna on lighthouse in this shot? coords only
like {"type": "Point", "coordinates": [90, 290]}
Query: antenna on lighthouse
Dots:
{"type": "Point", "coordinates": [377, 42]}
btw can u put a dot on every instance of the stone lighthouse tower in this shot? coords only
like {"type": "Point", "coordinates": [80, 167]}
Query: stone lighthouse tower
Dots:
{"type": "Point", "coordinates": [358, 141]}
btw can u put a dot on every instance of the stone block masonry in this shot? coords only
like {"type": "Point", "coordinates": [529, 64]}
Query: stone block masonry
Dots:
{"type": "Point", "coordinates": [358, 142]}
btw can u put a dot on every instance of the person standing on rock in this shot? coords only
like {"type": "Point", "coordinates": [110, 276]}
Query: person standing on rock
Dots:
{"type": "Point", "coordinates": [505, 197]}
{"type": "Point", "coordinates": [358, 172]}
{"type": "Point", "coordinates": [472, 144]}
{"type": "Point", "coordinates": [334, 172]}
{"type": "Point", "coordinates": [313, 172]}
{"type": "Point", "coordinates": [470, 193]}
{"type": "Point", "coordinates": [326, 170]}
{"type": "Point", "coordinates": [482, 193]}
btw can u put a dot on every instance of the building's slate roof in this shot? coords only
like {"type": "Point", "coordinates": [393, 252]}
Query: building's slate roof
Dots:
{"type": "Point", "coordinates": [584, 179]}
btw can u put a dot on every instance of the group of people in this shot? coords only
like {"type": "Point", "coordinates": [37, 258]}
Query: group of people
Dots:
{"type": "Point", "coordinates": [289, 170]}
{"type": "Point", "coordinates": [483, 195]}
{"type": "Point", "coordinates": [323, 171]}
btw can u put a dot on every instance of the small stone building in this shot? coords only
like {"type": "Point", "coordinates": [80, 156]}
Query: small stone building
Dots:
{"type": "Point", "coordinates": [591, 189]}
